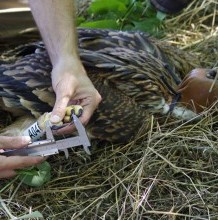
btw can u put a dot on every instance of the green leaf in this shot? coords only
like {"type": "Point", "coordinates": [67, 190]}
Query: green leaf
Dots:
{"type": "Point", "coordinates": [149, 25]}
{"type": "Point", "coordinates": [36, 176]}
{"type": "Point", "coordinates": [102, 7]}
{"type": "Point", "coordinates": [28, 171]}
{"type": "Point", "coordinates": [35, 214]}
{"type": "Point", "coordinates": [126, 2]}
{"type": "Point", "coordinates": [161, 16]}
{"type": "Point", "coordinates": [128, 27]}
{"type": "Point", "coordinates": [109, 24]}
{"type": "Point", "coordinates": [79, 20]}
{"type": "Point", "coordinates": [110, 15]}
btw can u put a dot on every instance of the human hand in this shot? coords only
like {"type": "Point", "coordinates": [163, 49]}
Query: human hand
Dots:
{"type": "Point", "coordinates": [72, 86]}
{"type": "Point", "coordinates": [8, 165]}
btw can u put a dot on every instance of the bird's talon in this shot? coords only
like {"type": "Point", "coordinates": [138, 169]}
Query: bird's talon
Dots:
{"type": "Point", "coordinates": [73, 109]}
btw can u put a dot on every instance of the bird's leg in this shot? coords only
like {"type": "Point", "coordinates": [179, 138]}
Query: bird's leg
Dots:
{"type": "Point", "coordinates": [28, 125]}
{"type": "Point", "coordinates": [37, 129]}
{"type": "Point", "coordinates": [18, 127]}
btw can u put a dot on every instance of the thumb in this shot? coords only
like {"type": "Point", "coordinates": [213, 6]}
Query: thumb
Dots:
{"type": "Point", "coordinates": [59, 109]}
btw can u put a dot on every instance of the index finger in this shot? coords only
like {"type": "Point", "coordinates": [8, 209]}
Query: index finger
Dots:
{"type": "Point", "coordinates": [18, 162]}
{"type": "Point", "coordinates": [89, 105]}
{"type": "Point", "coordinates": [14, 142]}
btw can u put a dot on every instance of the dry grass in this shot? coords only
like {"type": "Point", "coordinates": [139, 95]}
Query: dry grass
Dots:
{"type": "Point", "coordinates": [196, 30]}
{"type": "Point", "coordinates": [168, 172]}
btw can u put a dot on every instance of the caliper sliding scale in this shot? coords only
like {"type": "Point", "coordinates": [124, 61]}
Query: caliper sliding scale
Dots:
{"type": "Point", "coordinates": [50, 146]}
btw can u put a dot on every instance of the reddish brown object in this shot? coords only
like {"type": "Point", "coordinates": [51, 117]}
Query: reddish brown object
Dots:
{"type": "Point", "coordinates": [195, 89]}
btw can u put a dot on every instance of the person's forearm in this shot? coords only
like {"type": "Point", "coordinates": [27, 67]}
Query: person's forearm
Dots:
{"type": "Point", "coordinates": [55, 20]}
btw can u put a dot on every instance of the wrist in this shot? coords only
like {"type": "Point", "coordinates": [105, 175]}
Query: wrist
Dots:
{"type": "Point", "coordinates": [68, 64]}
{"type": "Point", "coordinates": [64, 57]}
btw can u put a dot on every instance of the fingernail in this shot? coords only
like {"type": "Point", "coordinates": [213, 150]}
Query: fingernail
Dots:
{"type": "Point", "coordinates": [55, 119]}
{"type": "Point", "coordinates": [26, 139]}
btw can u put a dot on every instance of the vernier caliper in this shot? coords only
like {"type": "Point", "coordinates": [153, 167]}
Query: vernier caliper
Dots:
{"type": "Point", "coordinates": [50, 146]}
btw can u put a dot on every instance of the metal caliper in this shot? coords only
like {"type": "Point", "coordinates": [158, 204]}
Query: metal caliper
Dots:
{"type": "Point", "coordinates": [50, 146]}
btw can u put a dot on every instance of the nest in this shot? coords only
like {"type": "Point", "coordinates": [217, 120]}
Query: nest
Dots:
{"type": "Point", "coordinates": [168, 172]}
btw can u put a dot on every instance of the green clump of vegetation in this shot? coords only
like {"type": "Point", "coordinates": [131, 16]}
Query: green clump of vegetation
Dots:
{"type": "Point", "coordinates": [131, 15]}
{"type": "Point", "coordinates": [36, 176]}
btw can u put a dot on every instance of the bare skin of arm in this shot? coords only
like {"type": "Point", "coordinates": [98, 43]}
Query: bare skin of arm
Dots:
{"type": "Point", "coordinates": [55, 20]}
{"type": "Point", "coordinates": [8, 165]}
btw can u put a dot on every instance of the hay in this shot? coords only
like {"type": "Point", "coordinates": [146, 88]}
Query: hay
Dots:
{"type": "Point", "coordinates": [168, 172]}
{"type": "Point", "coordinates": [196, 30]}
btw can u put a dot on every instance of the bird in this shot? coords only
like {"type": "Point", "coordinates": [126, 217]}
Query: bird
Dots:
{"type": "Point", "coordinates": [136, 75]}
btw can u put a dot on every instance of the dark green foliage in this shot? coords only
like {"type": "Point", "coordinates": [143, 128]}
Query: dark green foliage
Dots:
{"type": "Point", "coordinates": [123, 15]}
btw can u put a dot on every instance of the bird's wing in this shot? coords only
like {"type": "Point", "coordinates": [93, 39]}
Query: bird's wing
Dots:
{"type": "Point", "coordinates": [26, 84]}
{"type": "Point", "coordinates": [128, 61]}
{"type": "Point", "coordinates": [137, 75]}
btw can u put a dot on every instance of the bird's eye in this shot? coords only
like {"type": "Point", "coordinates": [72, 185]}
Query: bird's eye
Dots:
{"type": "Point", "coordinates": [211, 74]}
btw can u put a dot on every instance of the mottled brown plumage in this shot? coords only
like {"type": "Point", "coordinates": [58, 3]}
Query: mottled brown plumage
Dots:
{"type": "Point", "coordinates": [136, 75]}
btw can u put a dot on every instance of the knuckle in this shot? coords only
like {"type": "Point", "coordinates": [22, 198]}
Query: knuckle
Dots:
{"type": "Point", "coordinates": [99, 97]}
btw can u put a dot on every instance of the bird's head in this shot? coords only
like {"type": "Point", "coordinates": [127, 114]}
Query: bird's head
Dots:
{"type": "Point", "coordinates": [199, 89]}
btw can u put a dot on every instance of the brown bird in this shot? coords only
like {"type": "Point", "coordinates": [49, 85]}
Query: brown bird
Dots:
{"type": "Point", "coordinates": [136, 75]}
